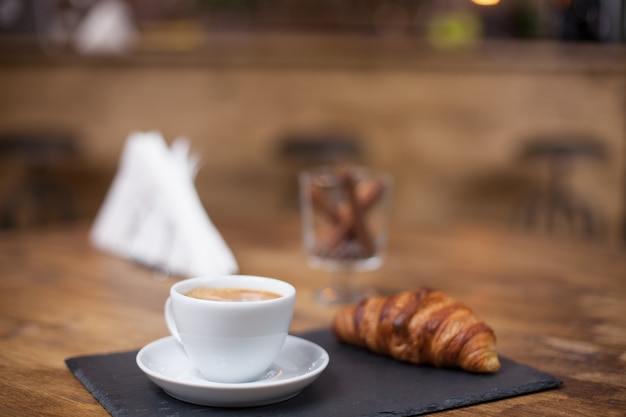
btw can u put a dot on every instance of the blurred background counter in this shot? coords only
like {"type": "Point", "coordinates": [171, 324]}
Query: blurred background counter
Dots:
{"type": "Point", "coordinates": [449, 105]}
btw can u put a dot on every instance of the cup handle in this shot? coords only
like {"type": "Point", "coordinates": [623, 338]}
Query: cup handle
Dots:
{"type": "Point", "coordinates": [169, 319]}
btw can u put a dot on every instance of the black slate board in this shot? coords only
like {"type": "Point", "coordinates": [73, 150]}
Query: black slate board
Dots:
{"type": "Point", "coordinates": [356, 383]}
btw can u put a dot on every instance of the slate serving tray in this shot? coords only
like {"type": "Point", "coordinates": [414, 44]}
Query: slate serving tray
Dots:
{"type": "Point", "coordinates": [356, 383]}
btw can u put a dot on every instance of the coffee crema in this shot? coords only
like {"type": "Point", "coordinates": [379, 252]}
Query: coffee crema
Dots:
{"type": "Point", "coordinates": [231, 294]}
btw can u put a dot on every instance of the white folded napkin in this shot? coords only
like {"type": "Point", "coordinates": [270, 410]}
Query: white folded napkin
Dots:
{"type": "Point", "coordinates": [153, 215]}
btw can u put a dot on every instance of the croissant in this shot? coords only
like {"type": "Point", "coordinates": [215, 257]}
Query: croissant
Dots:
{"type": "Point", "coordinates": [424, 326]}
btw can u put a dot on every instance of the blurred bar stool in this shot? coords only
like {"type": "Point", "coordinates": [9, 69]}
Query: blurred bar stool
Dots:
{"type": "Point", "coordinates": [35, 195]}
{"type": "Point", "coordinates": [561, 153]}
{"type": "Point", "coordinates": [298, 151]}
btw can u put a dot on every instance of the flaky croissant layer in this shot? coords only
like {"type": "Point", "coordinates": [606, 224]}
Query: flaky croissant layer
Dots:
{"type": "Point", "coordinates": [424, 326]}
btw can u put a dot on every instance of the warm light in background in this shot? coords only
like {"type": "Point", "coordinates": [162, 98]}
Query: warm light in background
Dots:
{"type": "Point", "coordinates": [486, 2]}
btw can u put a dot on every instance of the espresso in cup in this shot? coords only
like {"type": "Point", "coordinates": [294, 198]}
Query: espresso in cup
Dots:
{"type": "Point", "coordinates": [231, 294]}
{"type": "Point", "coordinates": [230, 342]}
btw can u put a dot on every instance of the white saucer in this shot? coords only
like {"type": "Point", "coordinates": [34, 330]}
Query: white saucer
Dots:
{"type": "Point", "coordinates": [299, 363]}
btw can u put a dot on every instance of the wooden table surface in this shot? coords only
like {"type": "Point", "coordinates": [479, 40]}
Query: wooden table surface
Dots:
{"type": "Point", "coordinates": [555, 305]}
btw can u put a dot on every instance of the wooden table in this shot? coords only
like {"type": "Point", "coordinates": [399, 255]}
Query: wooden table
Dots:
{"type": "Point", "coordinates": [557, 306]}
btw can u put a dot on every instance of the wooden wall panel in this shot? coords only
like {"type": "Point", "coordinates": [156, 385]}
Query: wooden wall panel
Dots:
{"type": "Point", "coordinates": [450, 137]}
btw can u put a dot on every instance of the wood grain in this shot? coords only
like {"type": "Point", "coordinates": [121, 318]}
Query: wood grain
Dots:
{"type": "Point", "coordinates": [554, 305]}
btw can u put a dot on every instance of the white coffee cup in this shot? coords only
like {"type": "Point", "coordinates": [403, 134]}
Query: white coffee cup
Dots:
{"type": "Point", "coordinates": [231, 341]}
